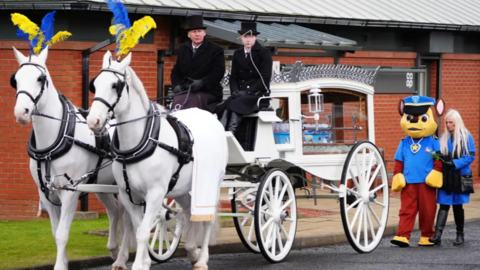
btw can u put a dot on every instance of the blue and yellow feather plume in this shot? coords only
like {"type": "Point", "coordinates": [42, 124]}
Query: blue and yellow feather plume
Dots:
{"type": "Point", "coordinates": [127, 36]}
{"type": "Point", "coordinates": [38, 37]}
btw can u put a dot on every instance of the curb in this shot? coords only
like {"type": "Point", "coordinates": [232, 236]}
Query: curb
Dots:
{"type": "Point", "coordinates": [238, 247]}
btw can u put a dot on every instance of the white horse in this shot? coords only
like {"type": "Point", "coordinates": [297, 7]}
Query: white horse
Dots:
{"type": "Point", "coordinates": [37, 94]}
{"type": "Point", "coordinates": [118, 90]}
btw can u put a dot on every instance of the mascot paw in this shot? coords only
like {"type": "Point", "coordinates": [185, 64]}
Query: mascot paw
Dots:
{"type": "Point", "coordinates": [435, 179]}
{"type": "Point", "coordinates": [424, 242]}
{"type": "Point", "coordinates": [401, 241]}
{"type": "Point", "coordinates": [398, 182]}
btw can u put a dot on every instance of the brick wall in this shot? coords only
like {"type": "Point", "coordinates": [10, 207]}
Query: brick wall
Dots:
{"type": "Point", "coordinates": [18, 194]}
{"type": "Point", "coordinates": [460, 90]}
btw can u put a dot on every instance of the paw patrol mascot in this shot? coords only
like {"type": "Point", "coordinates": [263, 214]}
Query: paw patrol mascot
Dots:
{"type": "Point", "coordinates": [417, 173]}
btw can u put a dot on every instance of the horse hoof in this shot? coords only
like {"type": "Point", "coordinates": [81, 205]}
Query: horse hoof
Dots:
{"type": "Point", "coordinates": [200, 267]}
{"type": "Point", "coordinates": [118, 268]}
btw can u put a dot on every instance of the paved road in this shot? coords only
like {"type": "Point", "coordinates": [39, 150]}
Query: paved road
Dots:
{"type": "Point", "coordinates": [386, 256]}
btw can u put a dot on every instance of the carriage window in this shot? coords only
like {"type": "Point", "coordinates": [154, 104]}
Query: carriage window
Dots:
{"type": "Point", "coordinates": [281, 130]}
{"type": "Point", "coordinates": [342, 123]}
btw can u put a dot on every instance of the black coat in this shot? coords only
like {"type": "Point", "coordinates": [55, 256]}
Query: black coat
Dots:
{"type": "Point", "coordinates": [208, 64]}
{"type": "Point", "coordinates": [245, 77]}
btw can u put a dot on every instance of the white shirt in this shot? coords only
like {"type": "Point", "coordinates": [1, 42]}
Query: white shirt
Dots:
{"type": "Point", "coordinates": [195, 48]}
{"type": "Point", "coordinates": [246, 52]}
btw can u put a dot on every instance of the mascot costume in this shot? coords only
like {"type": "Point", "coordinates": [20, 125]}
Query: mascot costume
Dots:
{"type": "Point", "coordinates": [418, 172]}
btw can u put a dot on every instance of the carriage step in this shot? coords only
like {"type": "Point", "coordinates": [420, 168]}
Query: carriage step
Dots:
{"type": "Point", "coordinates": [110, 189]}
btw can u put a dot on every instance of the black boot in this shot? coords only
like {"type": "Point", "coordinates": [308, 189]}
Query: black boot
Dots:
{"type": "Point", "coordinates": [459, 216]}
{"type": "Point", "coordinates": [235, 120]}
{"type": "Point", "coordinates": [224, 119]}
{"type": "Point", "coordinates": [441, 220]}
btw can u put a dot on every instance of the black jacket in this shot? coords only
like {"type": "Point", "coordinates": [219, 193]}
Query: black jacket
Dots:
{"type": "Point", "coordinates": [208, 64]}
{"type": "Point", "coordinates": [245, 78]}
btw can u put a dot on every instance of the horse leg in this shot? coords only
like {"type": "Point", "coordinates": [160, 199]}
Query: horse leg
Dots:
{"type": "Point", "coordinates": [127, 237]}
{"type": "Point", "coordinates": [53, 212]}
{"type": "Point", "coordinates": [154, 200]}
{"type": "Point", "coordinates": [136, 213]}
{"type": "Point", "coordinates": [69, 204]}
{"type": "Point", "coordinates": [189, 228]}
{"type": "Point", "coordinates": [202, 261]}
{"type": "Point", "coordinates": [111, 205]}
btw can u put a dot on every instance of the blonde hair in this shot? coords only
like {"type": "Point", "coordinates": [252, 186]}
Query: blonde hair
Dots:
{"type": "Point", "coordinates": [460, 135]}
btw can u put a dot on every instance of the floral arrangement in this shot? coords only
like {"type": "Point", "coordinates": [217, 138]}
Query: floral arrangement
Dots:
{"type": "Point", "coordinates": [434, 154]}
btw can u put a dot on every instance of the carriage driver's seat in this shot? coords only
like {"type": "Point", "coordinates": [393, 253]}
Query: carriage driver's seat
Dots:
{"type": "Point", "coordinates": [246, 132]}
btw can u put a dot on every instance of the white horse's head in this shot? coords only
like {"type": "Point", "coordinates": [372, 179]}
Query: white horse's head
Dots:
{"type": "Point", "coordinates": [109, 89]}
{"type": "Point", "coordinates": [30, 81]}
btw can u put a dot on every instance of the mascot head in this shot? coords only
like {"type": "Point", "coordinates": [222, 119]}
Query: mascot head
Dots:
{"type": "Point", "coordinates": [418, 119]}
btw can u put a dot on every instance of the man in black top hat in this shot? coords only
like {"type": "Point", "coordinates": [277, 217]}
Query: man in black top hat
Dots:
{"type": "Point", "coordinates": [249, 79]}
{"type": "Point", "coordinates": [200, 67]}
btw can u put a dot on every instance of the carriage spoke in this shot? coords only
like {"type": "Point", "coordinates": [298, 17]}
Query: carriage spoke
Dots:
{"type": "Point", "coordinates": [279, 240]}
{"type": "Point", "coordinates": [354, 179]}
{"type": "Point", "coordinates": [356, 216]}
{"type": "Point", "coordinates": [274, 237]}
{"type": "Point", "coordinates": [369, 171]}
{"type": "Point", "coordinates": [379, 203]}
{"type": "Point", "coordinates": [374, 215]}
{"type": "Point", "coordinates": [284, 190]}
{"type": "Point", "coordinates": [372, 229]}
{"type": "Point", "coordinates": [250, 232]}
{"type": "Point", "coordinates": [167, 239]}
{"type": "Point", "coordinates": [277, 187]}
{"type": "Point", "coordinates": [245, 220]}
{"type": "Point", "coordinates": [374, 176]}
{"type": "Point", "coordinates": [377, 188]}
{"type": "Point", "coordinates": [172, 230]}
{"type": "Point", "coordinates": [287, 236]}
{"type": "Point", "coordinates": [353, 204]}
{"type": "Point", "coordinates": [360, 173]}
{"type": "Point", "coordinates": [155, 235]}
{"type": "Point", "coordinates": [359, 227]}
{"type": "Point", "coordinates": [365, 229]}
{"type": "Point", "coordinates": [160, 240]}
{"type": "Point", "coordinates": [286, 204]}
{"type": "Point", "coordinates": [353, 192]}
{"type": "Point", "coordinates": [269, 221]}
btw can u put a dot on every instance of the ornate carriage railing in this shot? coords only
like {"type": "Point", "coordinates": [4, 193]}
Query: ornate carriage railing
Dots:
{"type": "Point", "coordinates": [299, 73]}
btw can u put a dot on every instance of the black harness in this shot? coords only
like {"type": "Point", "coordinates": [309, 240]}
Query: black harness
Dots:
{"type": "Point", "coordinates": [65, 138]}
{"type": "Point", "coordinates": [149, 141]}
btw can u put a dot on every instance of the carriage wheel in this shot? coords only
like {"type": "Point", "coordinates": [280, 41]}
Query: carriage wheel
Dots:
{"type": "Point", "coordinates": [244, 202]}
{"type": "Point", "coordinates": [364, 197]}
{"type": "Point", "coordinates": [168, 231]}
{"type": "Point", "coordinates": [275, 215]}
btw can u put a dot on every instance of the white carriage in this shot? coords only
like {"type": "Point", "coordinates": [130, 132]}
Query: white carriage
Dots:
{"type": "Point", "coordinates": [312, 136]}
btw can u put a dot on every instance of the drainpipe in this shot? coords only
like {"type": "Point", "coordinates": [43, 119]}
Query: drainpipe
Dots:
{"type": "Point", "coordinates": [85, 97]}
{"type": "Point", "coordinates": [160, 73]}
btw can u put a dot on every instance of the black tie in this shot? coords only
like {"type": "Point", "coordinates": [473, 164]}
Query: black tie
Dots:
{"type": "Point", "coordinates": [194, 51]}
{"type": "Point", "coordinates": [247, 55]}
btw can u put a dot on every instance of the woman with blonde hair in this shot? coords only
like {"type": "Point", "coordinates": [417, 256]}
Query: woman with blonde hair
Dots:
{"type": "Point", "coordinates": [458, 150]}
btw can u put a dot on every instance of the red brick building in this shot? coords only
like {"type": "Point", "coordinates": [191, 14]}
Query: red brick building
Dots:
{"type": "Point", "coordinates": [447, 55]}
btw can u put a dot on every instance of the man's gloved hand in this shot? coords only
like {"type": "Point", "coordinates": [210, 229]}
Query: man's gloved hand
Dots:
{"type": "Point", "coordinates": [177, 89]}
{"type": "Point", "coordinates": [197, 85]}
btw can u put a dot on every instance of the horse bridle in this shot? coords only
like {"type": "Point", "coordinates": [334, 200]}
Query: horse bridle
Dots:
{"type": "Point", "coordinates": [118, 87]}
{"type": "Point", "coordinates": [42, 78]}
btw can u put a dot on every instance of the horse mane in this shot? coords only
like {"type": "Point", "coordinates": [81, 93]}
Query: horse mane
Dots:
{"type": "Point", "coordinates": [138, 86]}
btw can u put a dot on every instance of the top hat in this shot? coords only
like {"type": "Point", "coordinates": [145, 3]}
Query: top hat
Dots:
{"type": "Point", "coordinates": [417, 105]}
{"type": "Point", "coordinates": [195, 22]}
{"type": "Point", "coordinates": [249, 26]}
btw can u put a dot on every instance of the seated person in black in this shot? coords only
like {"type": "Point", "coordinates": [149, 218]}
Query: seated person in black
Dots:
{"type": "Point", "coordinates": [249, 79]}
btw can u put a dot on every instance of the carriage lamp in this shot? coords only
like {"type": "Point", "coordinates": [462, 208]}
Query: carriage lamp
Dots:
{"type": "Point", "coordinates": [315, 103]}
